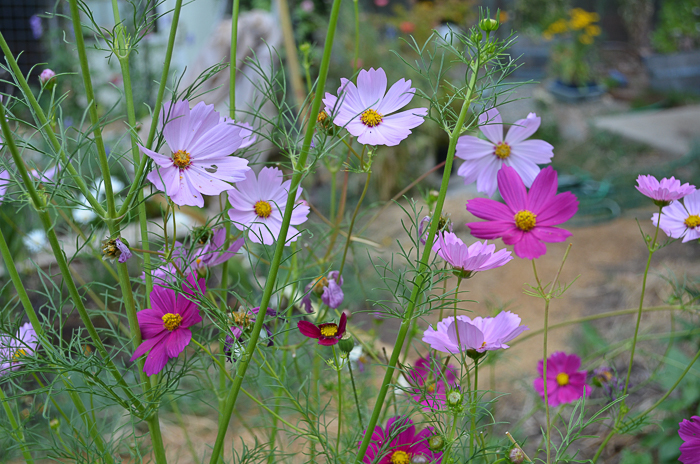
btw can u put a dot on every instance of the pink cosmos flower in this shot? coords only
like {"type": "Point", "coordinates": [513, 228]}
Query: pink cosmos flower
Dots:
{"type": "Point", "coordinates": [365, 110]}
{"type": "Point", "coordinates": [200, 161]}
{"type": "Point", "coordinates": [479, 334]}
{"type": "Point", "coordinates": [242, 321]}
{"type": "Point", "coordinates": [4, 184]}
{"type": "Point", "coordinates": [246, 131]}
{"type": "Point", "coordinates": [664, 191]}
{"type": "Point", "coordinates": [212, 254]}
{"type": "Point", "coordinates": [469, 259]}
{"type": "Point", "coordinates": [258, 206]}
{"type": "Point", "coordinates": [328, 334]}
{"type": "Point", "coordinates": [330, 290]}
{"type": "Point", "coordinates": [689, 431]}
{"type": "Point", "coordinates": [399, 443]}
{"type": "Point", "coordinates": [681, 220]}
{"type": "Point", "coordinates": [565, 383]}
{"type": "Point", "coordinates": [527, 219]}
{"type": "Point", "coordinates": [14, 348]}
{"type": "Point", "coordinates": [483, 159]}
{"type": "Point", "coordinates": [433, 382]}
{"type": "Point", "coordinates": [165, 327]}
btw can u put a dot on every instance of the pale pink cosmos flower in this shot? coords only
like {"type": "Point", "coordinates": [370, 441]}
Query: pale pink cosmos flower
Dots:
{"type": "Point", "coordinates": [681, 220]}
{"type": "Point", "coordinates": [247, 133]}
{"type": "Point", "coordinates": [14, 349]}
{"type": "Point", "coordinates": [200, 163]}
{"type": "Point", "coordinates": [258, 206]}
{"type": "Point", "coordinates": [565, 383]}
{"type": "Point", "coordinates": [213, 253]}
{"type": "Point", "coordinates": [484, 158]}
{"type": "Point", "coordinates": [365, 110]}
{"type": "Point", "coordinates": [4, 184]}
{"type": "Point", "coordinates": [479, 334]}
{"type": "Point", "coordinates": [166, 327]}
{"type": "Point", "coordinates": [664, 191]}
{"type": "Point", "coordinates": [474, 258]}
{"type": "Point", "coordinates": [527, 219]}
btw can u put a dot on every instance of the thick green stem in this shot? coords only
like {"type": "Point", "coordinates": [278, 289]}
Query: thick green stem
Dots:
{"type": "Point", "coordinates": [17, 432]}
{"type": "Point", "coordinates": [423, 271]}
{"type": "Point", "coordinates": [652, 249]}
{"type": "Point", "coordinates": [299, 170]}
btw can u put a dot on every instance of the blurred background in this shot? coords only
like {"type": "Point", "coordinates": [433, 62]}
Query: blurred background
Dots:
{"type": "Point", "coordinates": [616, 83]}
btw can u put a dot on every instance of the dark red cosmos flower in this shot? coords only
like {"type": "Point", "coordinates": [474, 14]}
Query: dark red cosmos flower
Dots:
{"type": "Point", "coordinates": [328, 334]}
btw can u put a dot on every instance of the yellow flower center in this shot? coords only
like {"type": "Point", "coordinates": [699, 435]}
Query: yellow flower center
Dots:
{"type": "Point", "coordinates": [320, 284]}
{"type": "Point", "coordinates": [172, 321]}
{"type": "Point", "coordinates": [525, 220]}
{"type": "Point", "coordinates": [400, 457]}
{"type": "Point", "coordinates": [263, 209]}
{"type": "Point", "coordinates": [371, 118]}
{"type": "Point", "coordinates": [18, 354]}
{"type": "Point", "coordinates": [431, 388]}
{"type": "Point", "coordinates": [692, 221]}
{"type": "Point", "coordinates": [329, 330]}
{"type": "Point", "coordinates": [241, 319]}
{"type": "Point", "coordinates": [563, 379]}
{"type": "Point", "coordinates": [181, 159]}
{"type": "Point", "coordinates": [502, 150]}
{"type": "Point", "coordinates": [321, 116]}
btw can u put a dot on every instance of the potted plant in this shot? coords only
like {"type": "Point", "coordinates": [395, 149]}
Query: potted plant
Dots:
{"type": "Point", "coordinates": [572, 55]}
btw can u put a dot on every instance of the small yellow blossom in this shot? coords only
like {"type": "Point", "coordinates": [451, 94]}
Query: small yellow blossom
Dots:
{"type": "Point", "coordinates": [585, 39]}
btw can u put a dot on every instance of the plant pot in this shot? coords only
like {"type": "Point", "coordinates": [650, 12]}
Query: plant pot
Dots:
{"type": "Point", "coordinates": [571, 94]}
{"type": "Point", "coordinates": [674, 72]}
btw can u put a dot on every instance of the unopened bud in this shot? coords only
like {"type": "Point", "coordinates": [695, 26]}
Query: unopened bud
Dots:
{"type": "Point", "coordinates": [454, 398]}
{"type": "Point", "coordinates": [419, 459]}
{"type": "Point", "coordinates": [476, 36]}
{"type": "Point", "coordinates": [475, 355]}
{"type": "Point", "coordinates": [436, 443]}
{"type": "Point", "coordinates": [488, 25]}
{"type": "Point", "coordinates": [54, 424]}
{"type": "Point", "coordinates": [47, 78]}
{"type": "Point", "coordinates": [305, 48]}
{"type": "Point", "coordinates": [346, 344]}
{"type": "Point", "coordinates": [516, 455]}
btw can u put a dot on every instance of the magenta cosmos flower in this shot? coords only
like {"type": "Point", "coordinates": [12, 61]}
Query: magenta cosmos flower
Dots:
{"type": "Point", "coordinates": [327, 334]}
{"type": "Point", "coordinates": [665, 191]}
{"type": "Point", "coordinates": [399, 443]}
{"type": "Point", "coordinates": [565, 383]}
{"type": "Point", "coordinates": [689, 431]}
{"type": "Point", "coordinates": [681, 220]}
{"type": "Point", "coordinates": [432, 382]}
{"type": "Point", "coordinates": [484, 158]}
{"type": "Point", "coordinates": [479, 334]}
{"type": "Point", "coordinates": [527, 220]}
{"type": "Point", "coordinates": [200, 163]}
{"type": "Point", "coordinates": [165, 327]}
{"type": "Point", "coordinates": [14, 348]}
{"type": "Point", "coordinates": [469, 259]}
{"type": "Point", "coordinates": [365, 110]}
{"type": "Point", "coordinates": [258, 205]}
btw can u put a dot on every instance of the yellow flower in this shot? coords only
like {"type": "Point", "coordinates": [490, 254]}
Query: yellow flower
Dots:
{"type": "Point", "coordinates": [585, 39]}
{"type": "Point", "coordinates": [593, 30]}
{"type": "Point", "coordinates": [547, 35]}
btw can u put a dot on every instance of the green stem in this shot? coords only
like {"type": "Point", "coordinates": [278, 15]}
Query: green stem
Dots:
{"type": "Point", "coordinates": [475, 390]}
{"type": "Point", "coordinates": [233, 58]}
{"type": "Point", "coordinates": [652, 249]}
{"type": "Point", "coordinates": [299, 170]}
{"type": "Point", "coordinates": [354, 392]}
{"type": "Point", "coordinates": [16, 433]}
{"type": "Point", "coordinates": [340, 401]}
{"type": "Point", "coordinates": [422, 270]}
{"type": "Point", "coordinates": [352, 223]}
{"type": "Point", "coordinates": [544, 376]}
{"type": "Point", "coordinates": [356, 55]}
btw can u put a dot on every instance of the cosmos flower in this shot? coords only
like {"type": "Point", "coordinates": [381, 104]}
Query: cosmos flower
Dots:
{"type": "Point", "coordinates": [199, 163]}
{"type": "Point", "coordinates": [527, 220]}
{"type": "Point", "coordinates": [246, 131]}
{"type": "Point", "coordinates": [328, 288]}
{"type": "Point", "coordinates": [365, 110]}
{"type": "Point", "coordinates": [212, 254]}
{"type": "Point", "coordinates": [115, 249]}
{"type": "Point", "coordinates": [681, 220]}
{"type": "Point", "coordinates": [36, 240]}
{"type": "Point", "coordinates": [565, 383]}
{"type": "Point", "coordinates": [14, 348]}
{"type": "Point", "coordinates": [165, 328]}
{"type": "Point", "coordinates": [483, 159]}
{"type": "Point", "coordinates": [444, 225]}
{"type": "Point", "coordinates": [398, 443]}
{"type": "Point", "coordinates": [4, 184]}
{"type": "Point", "coordinates": [433, 382]}
{"type": "Point", "coordinates": [665, 191]}
{"type": "Point", "coordinates": [242, 321]}
{"type": "Point", "coordinates": [479, 334]}
{"type": "Point", "coordinates": [689, 431]}
{"type": "Point", "coordinates": [258, 206]}
{"type": "Point", "coordinates": [469, 259]}
{"type": "Point", "coordinates": [328, 334]}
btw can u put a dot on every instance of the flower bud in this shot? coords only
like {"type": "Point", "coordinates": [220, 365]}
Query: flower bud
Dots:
{"type": "Point", "coordinates": [346, 344]}
{"type": "Point", "coordinates": [516, 455]}
{"type": "Point", "coordinates": [488, 25]}
{"type": "Point", "coordinates": [201, 234]}
{"type": "Point", "coordinates": [454, 398]}
{"type": "Point", "coordinates": [54, 424]}
{"type": "Point", "coordinates": [325, 123]}
{"type": "Point", "coordinates": [475, 355]}
{"type": "Point", "coordinates": [305, 48]}
{"type": "Point", "coordinates": [476, 36]}
{"type": "Point", "coordinates": [419, 459]}
{"type": "Point", "coordinates": [436, 443]}
{"type": "Point", "coordinates": [47, 78]}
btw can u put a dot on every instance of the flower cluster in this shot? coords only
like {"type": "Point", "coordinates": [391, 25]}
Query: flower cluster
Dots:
{"type": "Point", "coordinates": [581, 21]}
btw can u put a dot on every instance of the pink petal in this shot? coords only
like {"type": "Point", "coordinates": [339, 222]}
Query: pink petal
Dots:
{"type": "Point", "coordinates": [491, 124]}
{"type": "Point", "coordinates": [522, 129]}
{"type": "Point", "coordinates": [525, 168]}
{"type": "Point", "coordinates": [177, 341]}
{"type": "Point", "coordinates": [512, 189]}
{"type": "Point", "coordinates": [188, 195]}
{"type": "Point", "coordinates": [371, 86]}
{"type": "Point", "coordinates": [492, 210]}
{"type": "Point", "coordinates": [537, 151]}
{"type": "Point", "coordinates": [529, 247]}
{"type": "Point", "coordinates": [490, 229]}
{"type": "Point", "coordinates": [156, 360]}
{"type": "Point", "coordinates": [308, 329]}
{"type": "Point", "coordinates": [543, 189]}
{"type": "Point", "coordinates": [550, 234]}
{"type": "Point", "coordinates": [470, 147]}
{"type": "Point", "coordinates": [160, 160]}
{"type": "Point", "coordinates": [486, 182]}
{"type": "Point", "coordinates": [559, 210]}
{"type": "Point", "coordinates": [399, 95]}
{"type": "Point", "coordinates": [147, 345]}
{"type": "Point", "coordinates": [150, 323]}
